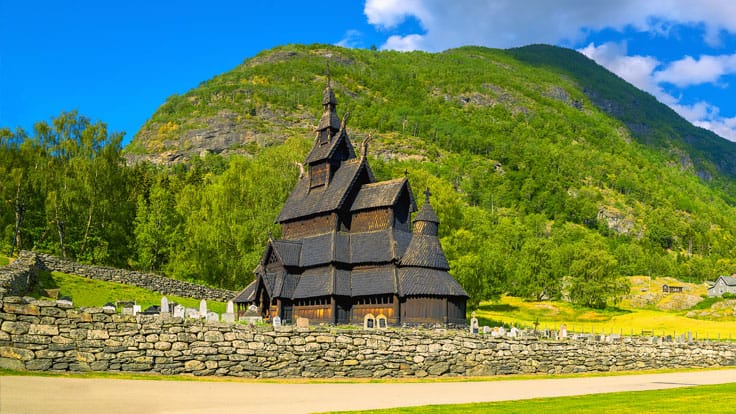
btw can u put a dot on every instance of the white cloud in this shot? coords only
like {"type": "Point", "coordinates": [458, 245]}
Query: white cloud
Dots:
{"type": "Point", "coordinates": [404, 43]}
{"type": "Point", "coordinates": [706, 69]}
{"type": "Point", "coordinates": [510, 23]}
{"type": "Point", "coordinates": [644, 72]}
{"type": "Point", "coordinates": [352, 38]}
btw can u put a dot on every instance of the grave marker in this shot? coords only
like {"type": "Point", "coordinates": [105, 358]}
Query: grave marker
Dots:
{"type": "Point", "coordinates": [165, 306]}
{"type": "Point", "coordinates": [178, 311]}
{"type": "Point", "coordinates": [302, 322]}
{"type": "Point", "coordinates": [213, 316]}
{"type": "Point", "coordinates": [276, 321]}
{"type": "Point", "coordinates": [473, 324]}
{"type": "Point", "coordinates": [203, 309]}
{"type": "Point", "coordinates": [369, 321]}
{"type": "Point", "coordinates": [381, 321]}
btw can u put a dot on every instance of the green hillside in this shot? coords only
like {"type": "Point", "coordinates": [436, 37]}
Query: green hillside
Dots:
{"type": "Point", "coordinates": [541, 191]}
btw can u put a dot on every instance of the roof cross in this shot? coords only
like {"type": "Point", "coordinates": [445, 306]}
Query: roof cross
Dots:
{"type": "Point", "coordinates": [427, 193]}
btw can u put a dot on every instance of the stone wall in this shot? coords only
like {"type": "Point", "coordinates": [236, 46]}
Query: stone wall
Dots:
{"type": "Point", "coordinates": [51, 336]}
{"type": "Point", "coordinates": [148, 281]}
{"type": "Point", "coordinates": [18, 277]}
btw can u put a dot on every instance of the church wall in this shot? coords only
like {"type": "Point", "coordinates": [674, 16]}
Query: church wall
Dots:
{"type": "Point", "coordinates": [312, 226]}
{"type": "Point", "coordinates": [371, 220]}
{"type": "Point", "coordinates": [423, 309]}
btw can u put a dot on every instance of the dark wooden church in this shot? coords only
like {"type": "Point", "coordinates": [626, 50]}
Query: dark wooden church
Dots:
{"type": "Point", "coordinates": [348, 249]}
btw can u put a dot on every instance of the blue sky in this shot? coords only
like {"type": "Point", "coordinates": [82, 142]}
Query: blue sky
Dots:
{"type": "Point", "coordinates": [118, 61]}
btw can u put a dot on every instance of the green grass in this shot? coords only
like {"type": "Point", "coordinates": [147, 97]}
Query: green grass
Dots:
{"type": "Point", "coordinates": [4, 260]}
{"type": "Point", "coordinates": [89, 292]}
{"type": "Point", "coordinates": [705, 399]}
{"type": "Point", "coordinates": [550, 315]}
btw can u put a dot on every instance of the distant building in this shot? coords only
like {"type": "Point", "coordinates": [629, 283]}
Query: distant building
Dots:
{"type": "Point", "coordinates": [348, 249]}
{"type": "Point", "coordinates": [724, 284]}
{"type": "Point", "coordinates": [671, 289]}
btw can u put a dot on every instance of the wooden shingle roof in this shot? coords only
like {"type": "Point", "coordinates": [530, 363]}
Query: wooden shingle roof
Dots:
{"type": "Point", "coordinates": [248, 294]}
{"type": "Point", "coordinates": [419, 281]}
{"type": "Point", "coordinates": [425, 251]}
{"type": "Point", "coordinates": [287, 251]}
{"type": "Point", "coordinates": [379, 280]}
{"type": "Point", "coordinates": [381, 194]}
{"type": "Point", "coordinates": [303, 203]}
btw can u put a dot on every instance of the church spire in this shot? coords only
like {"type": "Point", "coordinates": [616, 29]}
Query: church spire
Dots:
{"type": "Point", "coordinates": [329, 124]}
{"type": "Point", "coordinates": [426, 221]}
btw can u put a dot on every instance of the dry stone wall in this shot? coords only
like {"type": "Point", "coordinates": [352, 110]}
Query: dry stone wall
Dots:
{"type": "Point", "coordinates": [51, 336]}
{"type": "Point", "coordinates": [18, 277]}
{"type": "Point", "coordinates": [31, 262]}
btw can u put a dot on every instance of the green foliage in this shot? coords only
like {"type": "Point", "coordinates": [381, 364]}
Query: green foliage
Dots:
{"type": "Point", "coordinates": [542, 191]}
{"type": "Point", "coordinates": [95, 293]}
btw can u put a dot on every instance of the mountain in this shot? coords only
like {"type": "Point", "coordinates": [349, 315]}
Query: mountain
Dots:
{"type": "Point", "coordinates": [545, 166]}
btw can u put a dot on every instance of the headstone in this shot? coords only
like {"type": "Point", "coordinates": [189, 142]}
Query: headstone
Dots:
{"type": "Point", "coordinates": [369, 321]}
{"type": "Point", "coordinates": [487, 330]}
{"type": "Point", "coordinates": [164, 305]}
{"type": "Point", "coordinates": [473, 324]}
{"type": "Point", "coordinates": [381, 322]}
{"type": "Point", "coordinates": [302, 322]}
{"type": "Point", "coordinates": [191, 313]}
{"type": "Point", "coordinates": [136, 309]}
{"type": "Point", "coordinates": [501, 331]}
{"type": "Point", "coordinates": [228, 317]}
{"type": "Point", "coordinates": [64, 300]}
{"type": "Point", "coordinates": [203, 309]}
{"type": "Point", "coordinates": [253, 308]}
{"type": "Point", "coordinates": [689, 336]}
{"type": "Point", "coordinates": [230, 308]}
{"type": "Point", "coordinates": [109, 307]}
{"type": "Point", "coordinates": [514, 332]}
{"type": "Point", "coordinates": [563, 331]}
{"type": "Point", "coordinates": [179, 311]}
{"type": "Point", "coordinates": [276, 320]}
{"type": "Point", "coordinates": [213, 316]}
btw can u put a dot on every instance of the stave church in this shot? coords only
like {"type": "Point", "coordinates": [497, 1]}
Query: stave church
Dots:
{"type": "Point", "coordinates": [349, 247]}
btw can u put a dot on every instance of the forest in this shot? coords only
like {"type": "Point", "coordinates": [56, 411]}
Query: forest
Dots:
{"type": "Point", "coordinates": [541, 194]}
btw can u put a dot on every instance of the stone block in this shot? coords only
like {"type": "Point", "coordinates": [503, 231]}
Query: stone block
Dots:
{"type": "Point", "coordinates": [35, 329]}
{"type": "Point", "coordinates": [15, 328]}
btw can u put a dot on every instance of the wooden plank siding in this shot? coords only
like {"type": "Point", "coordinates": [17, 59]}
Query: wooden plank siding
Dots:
{"type": "Point", "coordinates": [316, 225]}
{"type": "Point", "coordinates": [371, 220]}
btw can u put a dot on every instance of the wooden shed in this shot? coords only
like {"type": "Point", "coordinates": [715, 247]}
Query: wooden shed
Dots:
{"type": "Point", "coordinates": [349, 247]}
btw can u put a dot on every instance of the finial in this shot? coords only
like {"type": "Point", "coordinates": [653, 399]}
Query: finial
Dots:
{"type": "Point", "coordinates": [427, 193]}
{"type": "Point", "coordinates": [365, 145]}
{"type": "Point", "coordinates": [328, 74]}
{"type": "Point", "coordinates": [406, 172]}
{"type": "Point", "coordinates": [301, 169]}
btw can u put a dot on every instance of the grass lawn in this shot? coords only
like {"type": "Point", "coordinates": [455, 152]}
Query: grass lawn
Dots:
{"type": "Point", "coordinates": [4, 260]}
{"type": "Point", "coordinates": [89, 292]}
{"type": "Point", "coordinates": [702, 399]}
{"type": "Point", "coordinates": [516, 311]}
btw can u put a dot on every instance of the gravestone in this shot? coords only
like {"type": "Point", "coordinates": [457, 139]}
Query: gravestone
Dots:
{"type": "Point", "coordinates": [253, 308]}
{"type": "Point", "coordinates": [229, 315]}
{"type": "Point", "coordinates": [179, 311]}
{"type": "Point", "coordinates": [109, 307]}
{"type": "Point", "coordinates": [369, 321]}
{"type": "Point", "coordinates": [501, 331]}
{"type": "Point", "coordinates": [203, 309]}
{"type": "Point", "coordinates": [136, 309]}
{"type": "Point", "coordinates": [381, 322]}
{"type": "Point", "coordinates": [473, 324]}
{"type": "Point", "coordinates": [487, 330]}
{"type": "Point", "coordinates": [191, 313]}
{"type": "Point", "coordinates": [563, 331]}
{"type": "Point", "coordinates": [164, 305]}
{"type": "Point", "coordinates": [213, 316]}
{"type": "Point", "coordinates": [302, 322]}
{"type": "Point", "coordinates": [64, 300]}
{"type": "Point", "coordinates": [276, 321]}
{"type": "Point", "coordinates": [514, 332]}
{"type": "Point", "coordinates": [127, 310]}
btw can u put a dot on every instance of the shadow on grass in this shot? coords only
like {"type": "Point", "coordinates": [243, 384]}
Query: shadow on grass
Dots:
{"type": "Point", "coordinates": [498, 307]}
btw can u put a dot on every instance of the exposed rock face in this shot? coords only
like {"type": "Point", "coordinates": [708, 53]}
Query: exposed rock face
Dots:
{"type": "Point", "coordinates": [51, 336]}
{"type": "Point", "coordinates": [225, 133]}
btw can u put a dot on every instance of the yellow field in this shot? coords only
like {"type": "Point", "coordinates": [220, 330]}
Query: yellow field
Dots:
{"type": "Point", "coordinates": [550, 315]}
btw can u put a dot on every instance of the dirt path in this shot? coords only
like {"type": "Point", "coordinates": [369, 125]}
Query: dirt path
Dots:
{"type": "Point", "coordinates": [77, 395]}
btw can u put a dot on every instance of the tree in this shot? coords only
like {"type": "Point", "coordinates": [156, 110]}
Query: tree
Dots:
{"type": "Point", "coordinates": [592, 278]}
